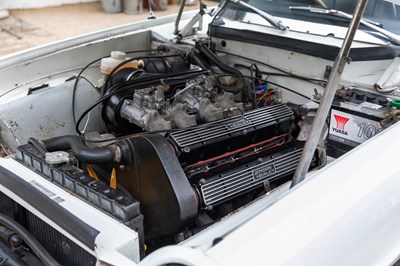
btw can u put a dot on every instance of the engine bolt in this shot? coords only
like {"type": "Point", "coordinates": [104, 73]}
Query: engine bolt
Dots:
{"type": "Point", "coordinates": [16, 245]}
{"type": "Point", "coordinates": [15, 240]}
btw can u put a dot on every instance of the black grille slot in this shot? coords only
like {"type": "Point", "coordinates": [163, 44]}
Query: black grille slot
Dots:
{"type": "Point", "coordinates": [60, 247]}
{"type": "Point", "coordinates": [257, 118]}
{"type": "Point", "coordinates": [243, 179]}
{"type": "Point", "coordinates": [212, 139]}
{"type": "Point", "coordinates": [236, 177]}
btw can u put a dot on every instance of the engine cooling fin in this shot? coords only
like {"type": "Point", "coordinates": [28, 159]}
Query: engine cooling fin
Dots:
{"type": "Point", "coordinates": [251, 174]}
{"type": "Point", "coordinates": [229, 134]}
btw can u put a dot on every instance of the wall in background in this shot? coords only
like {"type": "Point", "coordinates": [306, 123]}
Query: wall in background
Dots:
{"type": "Point", "coordinates": [19, 4]}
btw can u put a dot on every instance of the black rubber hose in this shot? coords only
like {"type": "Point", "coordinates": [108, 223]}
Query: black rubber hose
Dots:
{"type": "Point", "coordinates": [37, 145]}
{"type": "Point", "coordinates": [81, 151]}
{"type": "Point", "coordinates": [217, 61]}
{"type": "Point", "coordinates": [8, 257]}
{"type": "Point", "coordinates": [227, 88]}
{"type": "Point", "coordinates": [197, 60]}
{"type": "Point", "coordinates": [36, 247]}
{"type": "Point", "coordinates": [205, 51]}
{"type": "Point", "coordinates": [6, 233]}
{"type": "Point", "coordinates": [170, 78]}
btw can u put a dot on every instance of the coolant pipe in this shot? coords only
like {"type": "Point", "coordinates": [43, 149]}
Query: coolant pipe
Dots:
{"type": "Point", "coordinates": [327, 98]}
{"type": "Point", "coordinates": [214, 59]}
{"type": "Point", "coordinates": [82, 152]}
{"type": "Point", "coordinates": [196, 59]}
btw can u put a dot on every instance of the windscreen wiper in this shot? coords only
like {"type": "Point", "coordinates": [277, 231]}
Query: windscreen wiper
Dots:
{"type": "Point", "coordinates": [271, 19]}
{"type": "Point", "coordinates": [393, 38]}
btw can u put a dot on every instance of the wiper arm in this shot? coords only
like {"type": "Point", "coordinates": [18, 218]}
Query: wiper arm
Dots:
{"type": "Point", "coordinates": [271, 19]}
{"type": "Point", "coordinates": [393, 38]}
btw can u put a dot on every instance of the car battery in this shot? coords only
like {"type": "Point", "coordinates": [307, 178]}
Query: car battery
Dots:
{"type": "Point", "coordinates": [355, 117]}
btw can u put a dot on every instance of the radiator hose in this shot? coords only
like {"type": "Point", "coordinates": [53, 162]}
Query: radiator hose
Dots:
{"type": "Point", "coordinates": [212, 57]}
{"type": "Point", "coordinates": [83, 153]}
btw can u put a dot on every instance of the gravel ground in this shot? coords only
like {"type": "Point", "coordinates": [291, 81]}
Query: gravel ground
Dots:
{"type": "Point", "coordinates": [24, 29]}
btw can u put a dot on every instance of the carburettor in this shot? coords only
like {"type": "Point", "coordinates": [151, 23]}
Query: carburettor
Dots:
{"type": "Point", "coordinates": [197, 102]}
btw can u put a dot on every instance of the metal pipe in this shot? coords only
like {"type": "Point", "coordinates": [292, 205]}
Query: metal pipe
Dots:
{"type": "Point", "coordinates": [327, 98]}
{"type": "Point", "coordinates": [178, 17]}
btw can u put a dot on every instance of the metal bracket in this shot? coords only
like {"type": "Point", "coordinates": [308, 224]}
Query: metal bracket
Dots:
{"type": "Point", "coordinates": [189, 28]}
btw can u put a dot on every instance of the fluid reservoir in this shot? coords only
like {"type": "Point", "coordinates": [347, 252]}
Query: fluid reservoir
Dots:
{"type": "Point", "coordinates": [109, 63]}
{"type": "Point", "coordinates": [116, 58]}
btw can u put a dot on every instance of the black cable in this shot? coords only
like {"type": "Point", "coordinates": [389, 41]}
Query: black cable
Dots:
{"type": "Point", "coordinates": [137, 84]}
{"type": "Point", "coordinates": [163, 131]}
{"type": "Point", "coordinates": [315, 81]}
{"type": "Point", "coordinates": [32, 242]}
{"type": "Point", "coordinates": [141, 134]}
{"type": "Point", "coordinates": [76, 85]}
{"type": "Point", "coordinates": [107, 82]}
{"type": "Point", "coordinates": [271, 66]}
{"type": "Point", "coordinates": [270, 82]}
{"type": "Point", "coordinates": [147, 51]}
{"type": "Point", "coordinates": [213, 58]}
{"type": "Point", "coordinates": [286, 88]}
{"type": "Point", "coordinates": [91, 63]}
{"type": "Point", "coordinates": [254, 87]}
{"type": "Point", "coordinates": [38, 146]}
{"type": "Point", "coordinates": [88, 81]}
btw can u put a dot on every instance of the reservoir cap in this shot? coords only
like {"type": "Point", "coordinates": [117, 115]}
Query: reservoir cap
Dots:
{"type": "Point", "coordinates": [395, 103]}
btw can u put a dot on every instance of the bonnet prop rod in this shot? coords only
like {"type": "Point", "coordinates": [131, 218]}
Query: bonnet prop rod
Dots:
{"type": "Point", "coordinates": [327, 98]}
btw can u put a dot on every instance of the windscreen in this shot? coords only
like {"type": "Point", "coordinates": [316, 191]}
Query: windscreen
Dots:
{"type": "Point", "coordinates": [386, 13]}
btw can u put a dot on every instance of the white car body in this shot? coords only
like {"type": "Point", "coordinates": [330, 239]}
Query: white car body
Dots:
{"type": "Point", "coordinates": [343, 214]}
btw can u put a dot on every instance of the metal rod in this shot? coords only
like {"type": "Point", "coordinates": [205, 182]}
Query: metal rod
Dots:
{"type": "Point", "coordinates": [327, 98]}
{"type": "Point", "coordinates": [178, 17]}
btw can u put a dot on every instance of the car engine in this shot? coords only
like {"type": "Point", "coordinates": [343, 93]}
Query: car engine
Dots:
{"type": "Point", "coordinates": [188, 141]}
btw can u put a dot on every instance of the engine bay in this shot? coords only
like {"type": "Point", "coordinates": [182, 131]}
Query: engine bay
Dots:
{"type": "Point", "coordinates": [148, 138]}
{"type": "Point", "coordinates": [176, 138]}
{"type": "Point", "coordinates": [188, 141]}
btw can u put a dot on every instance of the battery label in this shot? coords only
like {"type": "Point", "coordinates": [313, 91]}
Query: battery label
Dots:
{"type": "Point", "coordinates": [351, 129]}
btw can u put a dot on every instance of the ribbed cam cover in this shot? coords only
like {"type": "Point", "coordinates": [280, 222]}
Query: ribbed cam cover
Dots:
{"type": "Point", "coordinates": [246, 177]}
{"type": "Point", "coordinates": [209, 140]}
